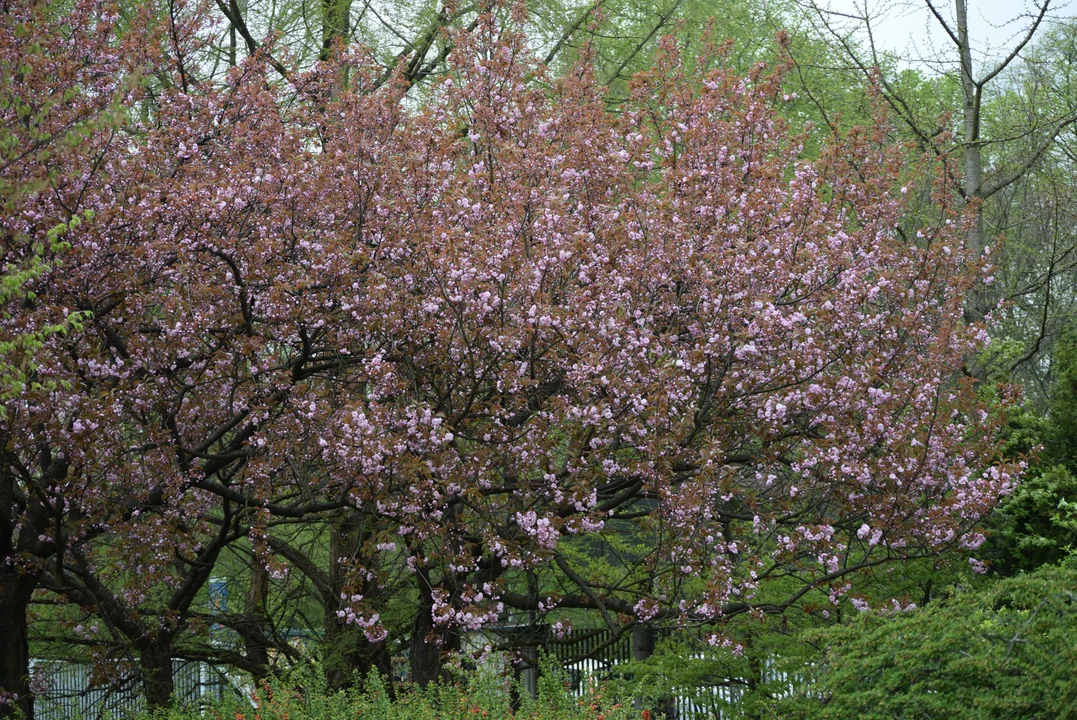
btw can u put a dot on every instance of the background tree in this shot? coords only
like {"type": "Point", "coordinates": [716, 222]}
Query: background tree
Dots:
{"type": "Point", "coordinates": [1036, 264]}
{"type": "Point", "coordinates": [1036, 524]}
{"type": "Point", "coordinates": [980, 180]}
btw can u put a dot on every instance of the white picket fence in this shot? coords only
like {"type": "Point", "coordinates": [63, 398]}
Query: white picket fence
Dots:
{"type": "Point", "coordinates": [707, 702]}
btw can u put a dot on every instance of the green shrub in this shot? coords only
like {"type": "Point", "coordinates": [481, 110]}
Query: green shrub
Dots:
{"type": "Point", "coordinates": [1006, 651]}
{"type": "Point", "coordinates": [473, 696]}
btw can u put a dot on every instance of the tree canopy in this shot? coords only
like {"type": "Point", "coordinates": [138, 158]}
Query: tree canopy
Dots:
{"type": "Point", "coordinates": [472, 343]}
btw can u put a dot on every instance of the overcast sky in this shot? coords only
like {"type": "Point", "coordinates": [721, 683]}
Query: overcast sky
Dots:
{"type": "Point", "coordinates": [906, 27]}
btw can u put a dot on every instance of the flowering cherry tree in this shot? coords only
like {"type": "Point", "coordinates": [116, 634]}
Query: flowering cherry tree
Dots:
{"type": "Point", "coordinates": [472, 337]}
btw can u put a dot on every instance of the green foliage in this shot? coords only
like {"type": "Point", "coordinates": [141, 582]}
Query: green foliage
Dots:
{"type": "Point", "coordinates": [1006, 651]}
{"type": "Point", "coordinates": [473, 695]}
{"type": "Point", "coordinates": [723, 683]}
{"type": "Point", "coordinates": [17, 352]}
{"type": "Point", "coordinates": [1062, 434]}
{"type": "Point", "coordinates": [1037, 523]}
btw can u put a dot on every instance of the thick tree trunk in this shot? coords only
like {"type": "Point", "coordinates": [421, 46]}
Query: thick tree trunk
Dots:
{"type": "Point", "coordinates": [756, 676]}
{"type": "Point", "coordinates": [643, 641]}
{"type": "Point", "coordinates": [155, 663]}
{"type": "Point", "coordinates": [339, 659]}
{"type": "Point", "coordinates": [255, 643]}
{"type": "Point", "coordinates": [642, 648]}
{"type": "Point", "coordinates": [349, 656]}
{"type": "Point", "coordinates": [424, 655]}
{"type": "Point", "coordinates": [338, 670]}
{"type": "Point", "coordinates": [427, 647]}
{"type": "Point", "coordinates": [19, 538]}
{"type": "Point", "coordinates": [15, 591]}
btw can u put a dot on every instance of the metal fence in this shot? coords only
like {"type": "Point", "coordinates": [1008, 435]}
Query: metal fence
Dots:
{"type": "Point", "coordinates": [69, 691]}
{"type": "Point", "coordinates": [589, 657]}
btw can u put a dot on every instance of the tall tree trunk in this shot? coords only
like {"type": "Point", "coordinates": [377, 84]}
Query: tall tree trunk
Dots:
{"type": "Point", "coordinates": [343, 544]}
{"type": "Point", "coordinates": [336, 20]}
{"type": "Point", "coordinates": [972, 175]}
{"type": "Point", "coordinates": [756, 677]}
{"type": "Point", "coordinates": [424, 655]}
{"type": "Point", "coordinates": [20, 537]}
{"type": "Point", "coordinates": [643, 641]}
{"type": "Point", "coordinates": [350, 657]}
{"type": "Point", "coordinates": [155, 664]}
{"type": "Point", "coordinates": [338, 670]}
{"type": "Point", "coordinates": [16, 588]}
{"type": "Point", "coordinates": [642, 648]}
{"type": "Point", "coordinates": [347, 654]}
{"type": "Point", "coordinates": [255, 643]}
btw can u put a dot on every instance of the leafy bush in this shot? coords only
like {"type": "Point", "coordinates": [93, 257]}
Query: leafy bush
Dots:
{"type": "Point", "coordinates": [473, 696]}
{"type": "Point", "coordinates": [1006, 651]}
{"type": "Point", "coordinates": [1037, 523]}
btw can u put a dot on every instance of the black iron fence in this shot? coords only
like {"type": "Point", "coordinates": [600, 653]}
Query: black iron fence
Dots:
{"type": "Point", "coordinates": [68, 690]}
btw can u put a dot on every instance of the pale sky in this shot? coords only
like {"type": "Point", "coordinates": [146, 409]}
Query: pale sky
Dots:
{"type": "Point", "coordinates": [906, 27]}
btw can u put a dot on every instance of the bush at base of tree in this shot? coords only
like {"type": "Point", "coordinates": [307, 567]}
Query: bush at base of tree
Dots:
{"type": "Point", "coordinates": [1005, 651]}
{"type": "Point", "coordinates": [475, 694]}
